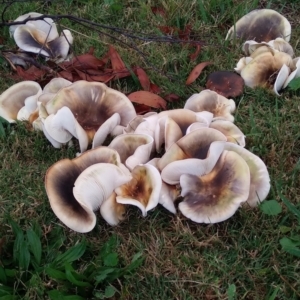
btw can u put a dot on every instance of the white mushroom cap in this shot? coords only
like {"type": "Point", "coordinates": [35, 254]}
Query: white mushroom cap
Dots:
{"type": "Point", "coordinates": [13, 99]}
{"type": "Point", "coordinates": [259, 175]}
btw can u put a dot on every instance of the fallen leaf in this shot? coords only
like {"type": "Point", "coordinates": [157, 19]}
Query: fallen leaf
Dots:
{"type": "Point", "coordinates": [121, 73]}
{"type": "Point", "coordinates": [116, 61]}
{"type": "Point", "coordinates": [141, 108]}
{"type": "Point", "coordinates": [154, 88]}
{"type": "Point", "coordinates": [148, 98]}
{"type": "Point", "coordinates": [196, 72]}
{"type": "Point", "coordinates": [168, 29]}
{"type": "Point", "coordinates": [84, 61]}
{"type": "Point", "coordinates": [194, 55]}
{"type": "Point", "coordinates": [172, 97]}
{"type": "Point", "coordinates": [32, 73]}
{"type": "Point", "coordinates": [66, 75]}
{"type": "Point", "coordinates": [143, 78]}
{"type": "Point", "coordinates": [185, 33]}
{"type": "Point", "coordinates": [158, 11]}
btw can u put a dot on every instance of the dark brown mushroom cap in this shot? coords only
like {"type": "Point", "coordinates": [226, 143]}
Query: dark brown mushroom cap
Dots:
{"type": "Point", "coordinates": [261, 25]}
{"type": "Point", "coordinates": [59, 184]}
{"type": "Point", "coordinates": [225, 83]}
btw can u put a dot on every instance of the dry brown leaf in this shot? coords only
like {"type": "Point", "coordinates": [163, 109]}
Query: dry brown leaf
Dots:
{"type": "Point", "coordinates": [194, 55]}
{"type": "Point", "coordinates": [148, 98]}
{"type": "Point", "coordinates": [143, 78]}
{"type": "Point", "coordinates": [141, 108]}
{"type": "Point", "coordinates": [83, 62]}
{"type": "Point", "coordinates": [158, 11]}
{"type": "Point", "coordinates": [33, 73]}
{"type": "Point", "coordinates": [196, 72]}
{"type": "Point", "coordinates": [116, 61]}
{"type": "Point", "coordinates": [172, 97]}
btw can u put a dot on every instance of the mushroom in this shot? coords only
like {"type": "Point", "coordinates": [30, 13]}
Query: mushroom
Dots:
{"type": "Point", "coordinates": [262, 70]}
{"type": "Point", "coordinates": [211, 101]}
{"type": "Point", "coordinates": [195, 153]}
{"type": "Point", "coordinates": [231, 131]}
{"type": "Point", "coordinates": [59, 182]}
{"type": "Point", "coordinates": [168, 193]}
{"type": "Point", "coordinates": [143, 190]}
{"type": "Point", "coordinates": [259, 175]}
{"type": "Point", "coordinates": [92, 104]}
{"type": "Point", "coordinates": [112, 211]}
{"type": "Point", "coordinates": [225, 83]}
{"type": "Point", "coordinates": [261, 25]}
{"type": "Point", "coordinates": [133, 148]}
{"type": "Point", "coordinates": [15, 97]}
{"type": "Point", "coordinates": [216, 196]}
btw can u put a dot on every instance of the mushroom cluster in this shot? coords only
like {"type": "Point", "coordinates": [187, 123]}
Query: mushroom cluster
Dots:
{"type": "Point", "coordinates": [195, 154]}
{"type": "Point", "coordinates": [41, 37]}
{"type": "Point", "coordinates": [269, 60]}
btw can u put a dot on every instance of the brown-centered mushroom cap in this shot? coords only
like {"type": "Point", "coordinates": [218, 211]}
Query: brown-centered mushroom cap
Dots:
{"type": "Point", "coordinates": [261, 25]}
{"type": "Point", "coordinates": [215, 197]}
{"type": "Point", "coordinates": [59, 183]}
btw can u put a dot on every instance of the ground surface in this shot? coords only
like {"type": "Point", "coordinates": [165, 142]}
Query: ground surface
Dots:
{"type": "Point", "coordinates": [237, 259]}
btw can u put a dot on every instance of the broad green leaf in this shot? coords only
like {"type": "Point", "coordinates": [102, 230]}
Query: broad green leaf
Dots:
{"type": "Point", "coordinates": [3, 278]}
{"type": "Point", "coordinates": [34, 245]}
{"type": "Point", "coordinates": [294, 84]}
{"type": "Point", "coordinates": [284, 229]}
{"type": "Point", "coordinates": [109, 246]}
{"type": "Point", "coordinates": [55, 295]}
{"type": "Point", "coordinates": [111, 260]}
{"type": "Point", "coordinates": [71, 254]}
{"type": "Point", "coordinates": [103, 275]}
{"type": "Point", "coordinates": [274, 294]}
{"type": "Point", "coordinates": [2, 131]}
{"type": "Point", "coordinates": [8, 297]}
{"type": "Point", "coordinates": [290, 246]}
{"type": "Point", "coordinates": [5, 290]}
{"type": "Point", "coordinates": [270, 207]}
{"type": "Point", "coordinates": [17, 245]}
{"type": "Point", "coordinates": [10, 272]}
{"type": "Point", "coordinates": [289, 205]}
{"type": "Point", "coordinates": [231, 292]}
{"type": "Point", "coordinates": [55, 274]}
{"type": "Point", "coordinates": [73, 297]}
{"type": "Point", "coordinates": [15, 227]}
{"type": "Point", "coordinates": [70, 276]}
{"type": "Point", "coordinates": [109, 291]}
{"type": "Point", "coordinates": [24, 256]}
{"type": "Point", "coordinates": [136, 261]}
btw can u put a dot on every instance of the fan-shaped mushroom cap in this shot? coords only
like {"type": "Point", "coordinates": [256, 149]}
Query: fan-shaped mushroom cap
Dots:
{"type": "Point", "coordinates": [59, 48]}
{"type": "Point", "coordinates": [242, 63]}
{"type": "Point", "coordinates": [210, 101]}
{"type": "Point", "coordinates": [63, 125]}
{"type": "Point", "coordinates": [56, 84]}
{"type": "Point", "coordinates": [112, 211]}
{"type": "Point", "coordinates": [134, 149]}
{"type": "Point", "coordinates": [143, 190]}
{"type": "Point", "coordinates": [31, 39]}
{"type": "Point", "coordinates": [167, 131]}
{"type": "Point", "coordinates": [147, 125]}
{"type": "Point", "coordinates": [185, 117]}
{"type": "Point", "coordinates": [231, 131]}
{"type": "Point", "coordinates": [195, 126]}
{"type": "Point", "coordinates": [278, 44]}
{"type": "Point", "coordinates": [259, 175]}
{"type": "Point", "coordinates": [261, 25]}
{"type": "Point", "coordinates": [281, 78]}
{"type": "Point", "coordinates": [13, 99]}
{"type": "Point", "coordinates": [197, 144]}
{"type": "Point", "coordinates": [96, 184]}
{"type": "Point", "coordinates": [12, 28]}
{"type": "Point", "coordinates": [295, 73]}
{"type": "Point", "coordinates": [59, 183]}
{"type": "Point", "coordinates": [29, 108]}
{"type": "Point", "coordinates": [168, 193]}
{"type": "Point", "coordinates": [92, 103]}
{"type": "Point", "coordinates": [215, 197]}
{"type": "Point", "coordinates": [261, 70]}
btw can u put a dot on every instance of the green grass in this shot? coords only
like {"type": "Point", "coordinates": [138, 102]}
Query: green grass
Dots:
{"type": "Point", "coordinates": [240, 258]}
